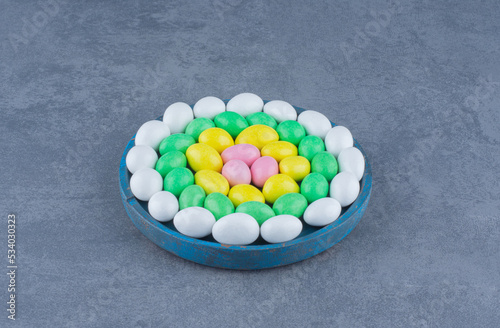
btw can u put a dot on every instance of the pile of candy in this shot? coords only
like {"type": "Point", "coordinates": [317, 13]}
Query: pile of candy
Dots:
{"type": "Point", "coordinates": [244, 169]}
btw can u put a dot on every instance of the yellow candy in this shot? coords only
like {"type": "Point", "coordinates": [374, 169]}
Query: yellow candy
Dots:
{"type": "Point", "coordinates": [203, 157]}
{"type": "Point", "coordinates": [277, 186]}
{"type": "Point", "coordinates": [296, 167]}
{"type": "Point", "coordinates": [258, 135]}
{"type": "Point", "coordinates": [279, 150]}
{"type": "Point", "coordinates": [216, 138]}
{"type": "Point", "coordinates": [245, 193]}
{"type": "Point", "coordinates": [211, 181]}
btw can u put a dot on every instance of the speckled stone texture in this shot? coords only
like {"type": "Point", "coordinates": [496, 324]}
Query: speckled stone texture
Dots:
{"type": "Point", "coordinates": [417, 82]}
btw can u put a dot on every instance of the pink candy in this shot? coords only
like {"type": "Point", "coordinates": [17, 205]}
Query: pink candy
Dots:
{"type": "Point", "coordinates": [236, 172]}
{"type": "Point", "coordinates": [262, 169]}
{"type": "Point", "coordinates": [243, 165]}
{"type": "Point", "coordinates": [244, 152]}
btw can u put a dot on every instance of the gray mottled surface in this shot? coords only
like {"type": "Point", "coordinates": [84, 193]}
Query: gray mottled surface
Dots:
{"type": "Point", "coordinates": [417, 82]}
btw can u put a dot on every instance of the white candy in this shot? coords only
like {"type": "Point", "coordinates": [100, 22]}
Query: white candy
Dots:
{"type": "Point", "coordinates": [351, 160]}
{"type": "Point", "coordinates": [281, 228]}
{"type": "Point", "coordinates": [177, 116]}
{"type": "Point", "coordinates": [322, 212]}
{"type": "Point", "coordinates": [209, 107]}
{"type": "Point", "coordinates": [139, 157]}
{"type": "Point", "coordinates": [151, 134]}
{"type": "Point", "coordinates": [344, 188]}
{"type": "Point", "coordinates": [145, 183]}
{"type": "Point", "coordinates": [337, 139]}
{"type": "Point", "coordinates": [236, 229]}
{"type": "Point", "coordinates": [163, 206]}
{"type": "Point", "coordinates": [280, 110]}
{"type": "Point", "coordinates": [315, 123]}
{"type": "Point", "coordinates": [196, 222]}
{"type": "Point", "coordinates": [245, 104]}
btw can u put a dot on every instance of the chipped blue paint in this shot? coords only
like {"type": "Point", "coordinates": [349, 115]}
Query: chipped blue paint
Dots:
{"type": "Point", "coordinates": [259, 255]}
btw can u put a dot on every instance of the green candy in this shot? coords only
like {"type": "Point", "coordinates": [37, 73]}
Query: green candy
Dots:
{"type": "Point", "coordinates": [261, 118]}
{"type": "Point", "coordinates": [293, 204]}
{"type": "Point", "coordinates": [178, 141]}
{"type": "Point", "coordinates": [291, 131]}
{"type": "Point", "coordinates": [232, 122]}
{"type": "Point", "coordinates": [197, 126]}
{"type": "Point", "coordinates": [193, 195]}
{"type": "Point", "coordinates": [259, 211]}
{"type": "Point", "coordinates": [310, 146]}
{"type": "Point", "coordinates": [314, 186]}
{"type": "Point", "coordinates": [170, 161]}
{"type": "Point", "coordinates": [219, 205]}
{"type": "Point", "coordinates": [177, 180]}
{"type": "Point", "coordinates": [325, 164]}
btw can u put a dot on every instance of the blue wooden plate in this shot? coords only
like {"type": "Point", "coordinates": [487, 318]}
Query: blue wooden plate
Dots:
{"type": "Point", "coordinates": [259, 255]}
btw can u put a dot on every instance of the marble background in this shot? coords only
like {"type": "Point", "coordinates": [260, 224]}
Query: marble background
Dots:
{"type": "Point", "coordinates": [417, 82]}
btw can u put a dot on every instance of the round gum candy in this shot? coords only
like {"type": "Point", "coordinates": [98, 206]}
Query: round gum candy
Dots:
{"type": "Point", "coordinates": [196, 222]}
{"type": "Point", "coordinates": [344, 188]}
{"type": "Point", "coordinates": [177, 180]}
{"type": "Point", "coordinates": [152, 134]}
{"type": "Point", "coordinates": [197, 126]}
{"type": "Point", "coordinates": [179, 141]}
{"type": "Point", "coordinates": [244, 152]}
{"type": "Point", "coordinates": [177, 116]}
{"type": "Point", "coordinates": [259, 211]}
{"type": "Point", "coordinates": [219, 205]}
{"type": "Point", "coordinates": [337, 139]}
{"type": "Point", "coordinates": [236, 172]}
{"type": "Point", "coordinates": [280, 110]}
{"type": "Point", "coordinates": [209, 107]}
{"type": "Point", "coordinates": [236, 229]}
{"type": "Point", "coordinates": [261, 118]}
{"type": "Point", "coordinates": [245, 104]}
{"type": "Point", "coordinates": [192, 196]}
{"type": "Point", "coordinates": [314, 186]}
{"type": "Point", "coordinates": [278, 185]}
{"type": "Point", "coordinates": [170, 161]}
{"type": "Point", "coordinates": [310, 146]}
{"type": "Point", "coordinates": [279, 150]}
{"type": "Point", "coordinates": [232, 122]}
{"type": "Point", "coordinates": [216, 138]}
{"type": "Point", "coordinates": [211, 182]}
{"type": "Point", "coordinates": [292, 204]}
{"type": "Point", "coordinates": [281, 228]}
{"type": "Point", "coordinates": [291, 131]}
{"type": "Point", "coordinates": [262, 169]}
{"type": "Point", "coordinates": [297, 167]}
{"type": "Point", "coordinates": [322, 212]}
{"type": "Point", "coordinates": [163, 206]}
{"type": "Point", "coordinates": [203, 157]}
{"type": "Point", "coordinates": [325, 164]}
{"type": "Point", "coordinates": [139, 157]}
{"type": "Point", "coordinates": [315, 123]}
{"type": "Point", "coordinates": [351, 160]}
{"type": "Point", "coordinates": [258, 135]}
{"type": "Point", "coordinates": [144, 183]}
{"type": "Point", "coordinates": [245, 193]}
